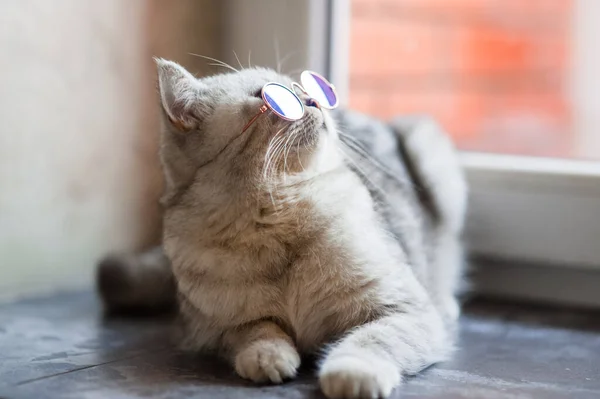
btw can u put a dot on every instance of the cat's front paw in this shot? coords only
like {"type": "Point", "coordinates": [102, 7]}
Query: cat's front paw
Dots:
{"type": "Point", "coordinates": [268, 360]}
{"type": "Point", "coordinates": [351, 377]}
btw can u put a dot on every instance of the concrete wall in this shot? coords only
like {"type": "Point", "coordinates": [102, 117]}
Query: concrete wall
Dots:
{"type": "Point", "coordinates": [275, 33]}
{"type": "Point", "coordinates": [79, 174]}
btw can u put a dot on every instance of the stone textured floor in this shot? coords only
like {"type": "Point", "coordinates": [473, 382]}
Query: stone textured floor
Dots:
{"type": "Point", "coordinates": [63, 347]}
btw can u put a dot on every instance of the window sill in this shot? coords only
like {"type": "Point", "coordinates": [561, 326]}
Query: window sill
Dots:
{"type": "Point", "coordinates": [544, 211]}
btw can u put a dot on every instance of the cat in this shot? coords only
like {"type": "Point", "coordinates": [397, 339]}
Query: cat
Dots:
{"type": "Point", "coordinates": [336, 235]}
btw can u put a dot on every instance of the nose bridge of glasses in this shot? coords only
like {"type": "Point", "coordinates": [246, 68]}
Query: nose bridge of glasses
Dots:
{"type": "Point", "coordinates": [296, 87]}
{"type": "Point", "coordinates": [303, 95]}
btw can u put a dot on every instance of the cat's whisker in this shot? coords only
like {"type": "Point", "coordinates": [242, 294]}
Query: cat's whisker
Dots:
{"type": "Point", "coordinates": [275, 142]}
{"type": "Point", "coordinates": [357, 148]}
{"type": "Point", "coordinates": [267, 169]}
{"type": "Point", "coordinates": [249, 61]}
{"type": "Point", "coordinates": [273, 152]}
{"type": "Point", "coordinates": [270, 192]}
{"type": "Point", "coordinates": [278, 151]}
{"type": "Point", "coordinates": [298, 155]}
{"type": "Point", "coordinates": [364, 173]}
{"type": "Point", "coordinates": [222, 63]}
{"type": "Point", "coordinates": [238, 59]}
{"type": "Point", "coordinates": [295, 71]}
{"type": "Point", "coordinates": [279, 154]}
{"type": "Point", "coordinates": [354, 145]}
{"type": "Point", "coordinates": [277, 60]}
{"type": "Point", "coordinates": [287, 57]}
{"type": "Point", "coordinates": [286, 152]}
{"type": "Point", "coordinates": [273, 184]}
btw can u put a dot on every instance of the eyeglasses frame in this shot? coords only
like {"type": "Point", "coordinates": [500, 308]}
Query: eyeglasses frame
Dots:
{"type": "Point", "coordinates": [265, 107]}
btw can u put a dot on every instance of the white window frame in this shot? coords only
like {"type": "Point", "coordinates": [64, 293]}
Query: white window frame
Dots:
{"type": "Point", "coordinates": [533, 222]}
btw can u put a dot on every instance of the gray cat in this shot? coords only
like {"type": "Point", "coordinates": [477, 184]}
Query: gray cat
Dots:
{"type": "Point", "coordinates": [335, 235]}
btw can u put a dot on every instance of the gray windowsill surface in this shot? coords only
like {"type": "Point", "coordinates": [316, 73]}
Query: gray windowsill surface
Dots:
{"type": "Point", "coordinates": [62, 347]}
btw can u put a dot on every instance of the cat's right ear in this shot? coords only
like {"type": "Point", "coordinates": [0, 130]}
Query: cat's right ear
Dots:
{"type": "Point", "coordinates": [179, 95]}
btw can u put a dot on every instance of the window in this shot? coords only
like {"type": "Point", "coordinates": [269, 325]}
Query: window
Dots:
{"type": "Point", "coordinates": [503, 76]}
{"type": "Point", "coordinates": [515, 83]}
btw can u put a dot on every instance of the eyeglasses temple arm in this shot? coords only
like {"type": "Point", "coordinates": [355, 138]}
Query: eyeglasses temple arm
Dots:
{"type": "Point", "coordinates": [262, 110]}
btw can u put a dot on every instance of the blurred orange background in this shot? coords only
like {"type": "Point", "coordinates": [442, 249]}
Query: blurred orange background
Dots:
{"type": "Point", "coordinates": [493, 72]}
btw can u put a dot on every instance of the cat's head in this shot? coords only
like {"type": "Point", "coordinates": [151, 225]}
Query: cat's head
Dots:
{"type": "Point", "coordinates": [203, 122]}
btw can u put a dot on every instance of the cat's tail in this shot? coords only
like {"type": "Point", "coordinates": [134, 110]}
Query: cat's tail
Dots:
{"type": "Point", "coordinates": [141, 283]}
{"type": "Point", "coordinates": [435, 168]}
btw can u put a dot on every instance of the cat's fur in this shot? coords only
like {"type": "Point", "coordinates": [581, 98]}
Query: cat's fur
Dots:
{"type": "Point", "coordinates": [292, 239]}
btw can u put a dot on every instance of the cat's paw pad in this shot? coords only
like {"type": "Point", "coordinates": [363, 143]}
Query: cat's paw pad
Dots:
{"type": "Point", "coordinates": [352, 378]}
{"type": "Point", "coordinates": [265, 361]}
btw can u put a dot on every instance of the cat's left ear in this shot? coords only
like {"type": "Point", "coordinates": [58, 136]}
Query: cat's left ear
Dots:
{"type": "Point", "coordinates": [179, 95]}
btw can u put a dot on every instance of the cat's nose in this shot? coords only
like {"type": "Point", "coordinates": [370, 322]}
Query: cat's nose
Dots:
{"type": "Point", "coordinates": [311, 102]}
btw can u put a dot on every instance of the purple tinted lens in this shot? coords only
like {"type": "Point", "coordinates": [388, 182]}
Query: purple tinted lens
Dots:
{"type": "Point", "coordinates": [273, 103]}
{"type": "Point", "coordinates": [282, 101]}
{"type": "Point", "coordinates": [327, 90]}
{"type": "Point", "coordinates": [319, 89]}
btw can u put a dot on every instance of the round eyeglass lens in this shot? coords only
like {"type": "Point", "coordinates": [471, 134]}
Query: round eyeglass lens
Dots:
{"type": "Point", "coordinates": [319, 89]}
{"type": "Point", "coordinates": [282, 101]}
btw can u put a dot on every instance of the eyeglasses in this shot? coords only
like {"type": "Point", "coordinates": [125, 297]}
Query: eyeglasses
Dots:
{"type": "Point", "coordinates": [287, 105]}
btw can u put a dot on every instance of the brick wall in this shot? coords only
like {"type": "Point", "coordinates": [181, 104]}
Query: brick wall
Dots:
{"type": "Point", "coordinates": [494, 72]}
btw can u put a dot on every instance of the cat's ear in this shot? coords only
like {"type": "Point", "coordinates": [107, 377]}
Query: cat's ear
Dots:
{"type": "Point", "coordinates": [179, 95]}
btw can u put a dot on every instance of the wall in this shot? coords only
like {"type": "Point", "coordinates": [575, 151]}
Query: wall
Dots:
{"type": "Point", "coordinates": [79, 174]}
{"type": "Point", "coordinates": [271, 32]}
